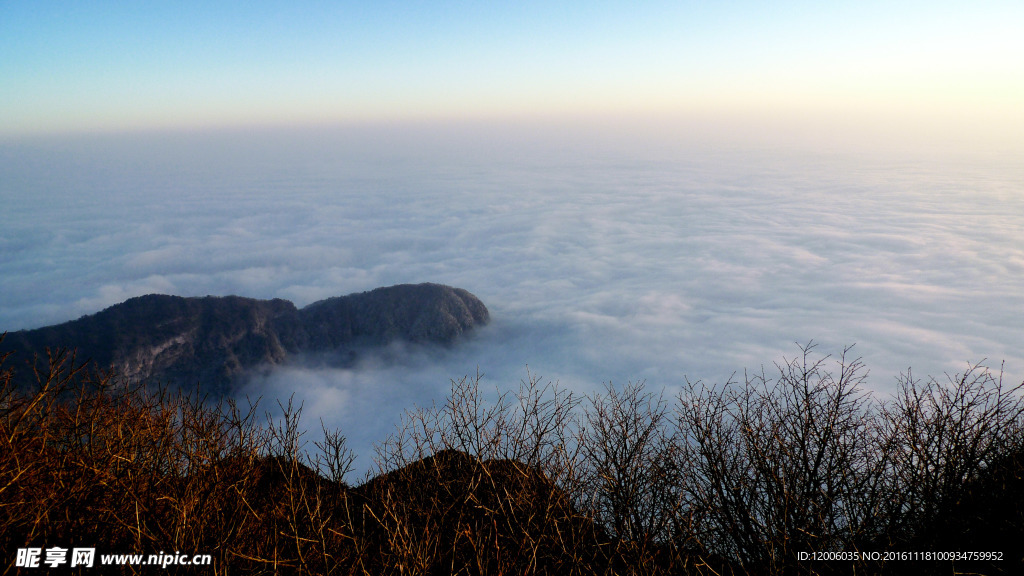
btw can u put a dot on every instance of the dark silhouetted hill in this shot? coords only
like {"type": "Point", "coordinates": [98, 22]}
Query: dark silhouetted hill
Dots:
{"type": "Point", "coordinates": [216, 340]}
{"type": "Point", "coordinates": [493, 515]}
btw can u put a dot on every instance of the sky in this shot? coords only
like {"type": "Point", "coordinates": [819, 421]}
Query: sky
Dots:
{"type": "Point", "coordinates": [950, 67]}
{"type": "Point", "coordinates": [637, 191]}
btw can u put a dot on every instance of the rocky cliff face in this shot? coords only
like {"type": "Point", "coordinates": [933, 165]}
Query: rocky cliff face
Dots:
{"type": "Point", "coordinates": [215, 340]}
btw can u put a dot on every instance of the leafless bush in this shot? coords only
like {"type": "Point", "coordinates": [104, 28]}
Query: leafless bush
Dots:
{"type": "Point", "coordinates": [333, 458]}
{"type": "Point", "coordinates": [783, 465]}
{"type": "Point", "coordinates": [497, 472]}
{"type": "Point", "coordinates": [631, 470]}
{"type": "Point", "coordinates": [943, 437]}
{"type": "Point", "coordinates": [88, 460]}
{"type": "Point", "coordinates": [536, 426]}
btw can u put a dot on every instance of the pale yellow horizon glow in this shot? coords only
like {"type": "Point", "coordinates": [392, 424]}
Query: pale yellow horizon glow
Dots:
{"type": "Point", "coordinates": [870, 72]}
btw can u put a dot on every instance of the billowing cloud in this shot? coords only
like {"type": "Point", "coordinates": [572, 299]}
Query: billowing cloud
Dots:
{"type": "Point", "coordinates": [598, 261]}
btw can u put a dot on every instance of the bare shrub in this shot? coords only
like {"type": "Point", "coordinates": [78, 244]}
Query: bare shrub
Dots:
{"type": "Point", "coordinates": [495, 473]}
{"type": "Point", "coordinates": [783, 465]}
{"type": "Point", "coordinates": [631, 475]}
{"type": "Point", "coordinates": [88, 460]}
{"type": "Point", "coordinates": [944, 437]}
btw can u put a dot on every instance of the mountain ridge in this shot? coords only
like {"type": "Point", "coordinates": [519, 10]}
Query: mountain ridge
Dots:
{"type": "Point", "coordinates": [217, 340]}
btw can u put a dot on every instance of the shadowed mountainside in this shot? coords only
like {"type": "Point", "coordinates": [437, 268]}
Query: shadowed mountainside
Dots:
{"type": "Point", "coordinates": [216, 340]}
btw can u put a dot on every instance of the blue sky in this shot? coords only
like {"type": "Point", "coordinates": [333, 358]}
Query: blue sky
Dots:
{"type": "Point", "coordinates": [113, 66]}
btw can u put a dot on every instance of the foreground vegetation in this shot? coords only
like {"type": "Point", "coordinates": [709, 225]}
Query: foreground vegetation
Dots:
{"type": "Point", "coordinates": [747, 477]}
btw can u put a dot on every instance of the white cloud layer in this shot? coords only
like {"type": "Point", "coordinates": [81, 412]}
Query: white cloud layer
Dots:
{"type": "Point", "coordinates": [599, 260]}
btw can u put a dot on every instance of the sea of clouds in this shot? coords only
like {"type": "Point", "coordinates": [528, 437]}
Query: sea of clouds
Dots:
{"type": "Point", "coordinates": [602, 256]}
